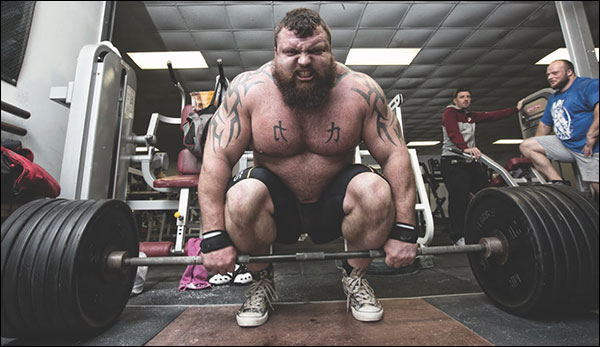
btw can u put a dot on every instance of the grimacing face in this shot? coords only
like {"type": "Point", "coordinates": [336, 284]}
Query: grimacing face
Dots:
{"type": "Point", "coordinates": [304, 68]}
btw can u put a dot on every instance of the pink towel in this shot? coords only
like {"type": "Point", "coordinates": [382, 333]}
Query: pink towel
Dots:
{"type": "Point", "coordinates": [194, 276]}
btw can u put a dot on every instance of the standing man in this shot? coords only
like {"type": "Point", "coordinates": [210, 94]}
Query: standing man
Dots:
{"type": "Point", "coordinates": [461, 176]}
{"type": "Point", "coordinates": [303, 114]}
{"type": "Point", "coordinates": [573, 112]}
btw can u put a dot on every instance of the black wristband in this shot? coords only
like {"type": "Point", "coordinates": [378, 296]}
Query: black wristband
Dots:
{"type": "Point", "coordinates": [215, 240]}
{"type": "Point", "coordinates": [404, 232]}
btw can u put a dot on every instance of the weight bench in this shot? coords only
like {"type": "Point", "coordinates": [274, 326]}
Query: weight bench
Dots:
{"type": "Point", "coordinates": [521, 170]}
{"type": "Point", "coordinates": [184, 183]}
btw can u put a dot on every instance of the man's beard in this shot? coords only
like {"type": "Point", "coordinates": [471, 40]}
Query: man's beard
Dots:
{"type": "Point", "coordinates": [300, 95]}
{"type": "Point", "coordinates": [561, 84]}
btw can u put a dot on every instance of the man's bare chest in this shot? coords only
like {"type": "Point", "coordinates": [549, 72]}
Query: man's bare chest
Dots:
{"type": "Point", "coordinates": [327, 132]}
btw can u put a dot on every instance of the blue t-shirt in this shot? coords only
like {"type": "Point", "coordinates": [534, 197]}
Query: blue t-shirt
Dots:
{"type": "Point", "coordinates": [572, 112]}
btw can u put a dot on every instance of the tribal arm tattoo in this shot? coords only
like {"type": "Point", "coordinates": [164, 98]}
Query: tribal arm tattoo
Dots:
{"type": "Point", "coordinates": [385, 120]}
{"type": "Point", "coordinates": [225, 125]}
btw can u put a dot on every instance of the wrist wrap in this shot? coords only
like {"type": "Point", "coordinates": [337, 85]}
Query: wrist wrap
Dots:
{"type": "Point", "coordinates": [404, 232]}
{"type": "Point", "coordinates": [215, 240]}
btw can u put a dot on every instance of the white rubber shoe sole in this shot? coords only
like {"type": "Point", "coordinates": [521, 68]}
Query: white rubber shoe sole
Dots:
{"type": "Point", "coordinates": [371, 316]}
{"type": "Point", "coordinates": [249, 320]}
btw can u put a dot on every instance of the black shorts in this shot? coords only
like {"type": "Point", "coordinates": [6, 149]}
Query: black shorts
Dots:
{"type": "Point", "coordinates": [321, 220]}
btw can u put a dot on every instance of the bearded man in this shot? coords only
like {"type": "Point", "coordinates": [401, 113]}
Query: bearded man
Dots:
{"type": "Point", "coordinates": [303, 114]}
{"type": "Point", "coordinates": [572, 111]}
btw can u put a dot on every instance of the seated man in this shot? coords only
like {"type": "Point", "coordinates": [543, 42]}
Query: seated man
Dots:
{"type": "Point", "coordinates": [573, 111]}
{"type": "Point", "coordinates": [303, 115]}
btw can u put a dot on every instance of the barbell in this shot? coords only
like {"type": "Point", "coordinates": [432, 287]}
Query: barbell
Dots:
{"type": "Point", "coordinates": [67, 270]}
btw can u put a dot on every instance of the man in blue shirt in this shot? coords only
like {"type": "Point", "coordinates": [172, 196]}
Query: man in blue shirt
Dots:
{"type": "Point", "coordinates": [573, 113]}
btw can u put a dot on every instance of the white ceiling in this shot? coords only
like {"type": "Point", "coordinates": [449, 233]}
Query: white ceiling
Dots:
{"type": "Point", "coordinates": [488, 46]}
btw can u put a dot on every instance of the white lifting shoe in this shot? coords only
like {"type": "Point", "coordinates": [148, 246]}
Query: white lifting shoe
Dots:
{"type": "Point", "coordinates": [255, 310]}
{"type": "Point", "coordinates": [361, 297]}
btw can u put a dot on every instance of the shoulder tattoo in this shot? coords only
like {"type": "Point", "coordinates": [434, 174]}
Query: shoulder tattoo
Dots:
{"type": "Point", "coordinates": [387, 124]}
{"type": "Point", "coordinates": [226, 121]}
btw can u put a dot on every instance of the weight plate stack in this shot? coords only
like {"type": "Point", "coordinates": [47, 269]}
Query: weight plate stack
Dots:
{"type": "Point", "coordinates": [562, 248]}
{"type": "Point", "coordinates": [585, 225]}
{"type": "Point", "coordinates": [54, 276]}
{"type": "Point", "coordinates": [523, 282]}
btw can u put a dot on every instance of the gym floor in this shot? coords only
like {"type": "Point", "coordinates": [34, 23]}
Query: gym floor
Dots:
{"type": "Point", "coordinates": [436, 302]}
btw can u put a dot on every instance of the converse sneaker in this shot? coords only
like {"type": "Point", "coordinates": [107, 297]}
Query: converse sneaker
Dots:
{"type": "Point", "coordinates": [361, 298]}
{"type": "Point", "coordinates": [255, 310]}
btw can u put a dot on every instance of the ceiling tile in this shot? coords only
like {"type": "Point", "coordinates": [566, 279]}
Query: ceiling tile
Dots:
{"type": "Point", "coordinates": [510, 14]}
{"type": "Point", "coordinates": [383, 15]}
{"type": "Point", "coordinates": [229, 58]}
{"type": "Point", "coordinates": [253, 58]}
{"type": "Point", "coordinates": [468, 15]}
{"type": "Point", "coordinates": [498, 56]}
{"type": "Point", "coordinates": [341, 38]}
{"type": "Point", "coordinates": [200, 17]}
{"type": "Point", "coordinates": [283, 7]}
{"type": "Point", "coordinates": [426, 15]}
{"type": "Point", "coordinates": [465, 56]}
{"type": "Point", "coordinates": [372, 38]}
{"type": "Point", "coordinates": [341, 15]}
{"type": "Point", "coordinates": [448, 37]}
{"type": "Point", "coordinates": [431, 56]}
{"type": "Point", "coordinates": [418, 70]}
{"type": "Point", "coordinates": [166, 18]}
{"type": "Point", "coordinates": [522, 38]}
{"type": "Point", "coordinates": [260, 40]}
{"type": "Point", "coordinates": [250, 16]}
{"type": "Point", "coordinates": [485, 37]}
{"type": "Point", "coordinates": [388, 71]}
{"type": "Point", "coordinates": [176, 40]}
{"type": "Point", "coordinates": [410, 38]}
{"type": "Point", "coordinates": [213, 40]}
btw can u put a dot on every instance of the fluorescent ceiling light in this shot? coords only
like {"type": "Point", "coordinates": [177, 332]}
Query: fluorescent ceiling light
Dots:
{"type": "Point", "coordinates": [422, 143]}
{"type": "Point", "coordinates": [381, 56]}
{"type": "Point", "coordinates": [561, 53]}
{"type": "Point", "coordinates": [158, 60]}
{"type": "Point", "coordinates": [508, 142]}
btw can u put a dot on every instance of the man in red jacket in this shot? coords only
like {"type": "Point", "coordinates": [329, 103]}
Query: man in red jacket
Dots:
{"type": "Point", "coordinates": [463, 176]}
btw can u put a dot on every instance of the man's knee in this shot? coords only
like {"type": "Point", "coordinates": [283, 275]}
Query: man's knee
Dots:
{"type": "Point", "coordinates": [247, 198]}
{"type": "Point", "coordinates": [528, 146]}
{"type": "Point", "coordinates": [371, 194]}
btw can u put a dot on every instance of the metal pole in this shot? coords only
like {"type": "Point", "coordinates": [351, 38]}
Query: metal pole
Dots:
{"type": "Point", "coordinates": [578, 37]}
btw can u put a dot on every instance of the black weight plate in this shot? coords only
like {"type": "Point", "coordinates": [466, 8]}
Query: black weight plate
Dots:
{"type": "Point", "coordinates": [53, 290]}
{"type": "Point", "coordinates": [25, 281]}
{"type": "Point", "coordinates": [49, 320]}
{"type": "Point", "coordinates": [562, 250]}
{"type": "Point", "coordinates": [580, 269]}
{"type": "Point", "coordinates": [520, 284]}
{"type": "Point", "coordinates": [10, 230]}
{"type": "Point", "coordinates": [93, 293]}
{"type": "Point", "coordinates": [13, 246]}
{"type": "Point", "coordinates": [587, 218]}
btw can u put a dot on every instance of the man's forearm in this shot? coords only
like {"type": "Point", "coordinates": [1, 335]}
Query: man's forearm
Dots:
{"type": "Point", "coordinates": [399, 173]}
{"type": "Point", "coordinates": [212, 186]}
{"type": "Point", "coordinates": [593, 131]}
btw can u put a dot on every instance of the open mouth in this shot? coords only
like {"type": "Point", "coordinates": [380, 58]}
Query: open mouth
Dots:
{"type": "Point", "coordinates": [305, 75]}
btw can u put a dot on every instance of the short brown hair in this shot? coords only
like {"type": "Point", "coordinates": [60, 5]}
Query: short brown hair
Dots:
{"type": "Point", "coordinates": [303, 22]}
{"type": "Point", "coordinates": [568, 64]}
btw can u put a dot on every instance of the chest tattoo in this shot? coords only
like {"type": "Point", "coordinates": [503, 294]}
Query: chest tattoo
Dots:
{"type": "Point", "coordinates": [278, 132]}
{"type": "Point", "coordinates": [334, 133]}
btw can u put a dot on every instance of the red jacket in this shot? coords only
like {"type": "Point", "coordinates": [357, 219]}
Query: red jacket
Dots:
{"type": "Point", "coordinates": [458, 126]}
